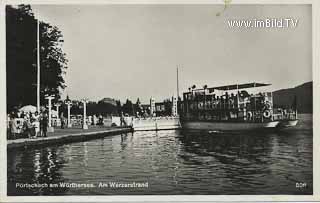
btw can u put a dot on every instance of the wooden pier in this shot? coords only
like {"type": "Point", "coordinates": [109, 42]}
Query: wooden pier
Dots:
{"type": "Point", "coordinates": [63, 136]}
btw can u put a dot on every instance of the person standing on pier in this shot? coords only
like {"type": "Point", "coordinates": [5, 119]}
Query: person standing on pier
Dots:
{"type": "Point", "coordinates": [13, 126]}
{"type": "Point", "coordinates": [101, 120]}
{"type": "Point", "coordinates": [122, 121]}
{"type": "Point", "coordinates": [36, 124]}
{"type": "Point", "coordinates": [44, 124]}
{"type": "Point", "coordinates": [27, 127]}
{"type": "Point", "coordinates": [8, 125]}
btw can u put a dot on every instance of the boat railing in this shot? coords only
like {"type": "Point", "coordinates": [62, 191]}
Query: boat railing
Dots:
{"type": "Point", "coordinates": [156, 118]}
{"type": "Point", "coordinates": [285, 116]}
{"type": "Point", "coordinates": [277, 116]}
{"type": "Point", "coordinates": [232, 116]}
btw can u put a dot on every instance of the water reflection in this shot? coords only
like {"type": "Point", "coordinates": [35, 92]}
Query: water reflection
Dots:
{"type": "Point", "coordinates": [172, 162]}
{"type": "Point", "coordinates": [269, 162]}
{"type": "Point", "coordinates": [37, 166]}
{"type": "Point", "coordinates": [228, 148]}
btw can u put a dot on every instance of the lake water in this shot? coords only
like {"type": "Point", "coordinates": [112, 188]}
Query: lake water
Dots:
{"type": "Point", "coordinates": [171, 162]}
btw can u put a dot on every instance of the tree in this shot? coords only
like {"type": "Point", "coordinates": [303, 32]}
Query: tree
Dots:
{"type": "Point", "coordinates": [53, 61]}
{"type": "Point", "coordinates": [138, 106]}
{"type": "Point", "coordinates": [168, 107]}
{"type": "Point", "coordinates": [127, 108]}
{"type": "Point", "coordinates": [21, 58]}
{"type": "Point", "coordinates": [106, 108]}
{"type": "Point", "coordinates": [119, 107]}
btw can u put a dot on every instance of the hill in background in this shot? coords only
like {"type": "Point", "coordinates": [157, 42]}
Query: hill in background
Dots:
{"type": "Point", "coordinates": [285, 97]}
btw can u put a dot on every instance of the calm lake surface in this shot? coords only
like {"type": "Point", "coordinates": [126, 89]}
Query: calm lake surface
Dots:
{"type": "Point", "coordinates": [172, 162]}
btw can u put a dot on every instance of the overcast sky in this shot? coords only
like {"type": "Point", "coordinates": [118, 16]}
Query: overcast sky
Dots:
{"type": "Point", "coordinates": [130, 51]}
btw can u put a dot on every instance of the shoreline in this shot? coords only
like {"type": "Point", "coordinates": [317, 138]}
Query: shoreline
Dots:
{"type": "Point", "coordinates": [68, 137]}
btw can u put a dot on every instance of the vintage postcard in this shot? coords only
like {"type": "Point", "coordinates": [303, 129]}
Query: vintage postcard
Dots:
{"type": "Point", "coordinates": [159, 101]}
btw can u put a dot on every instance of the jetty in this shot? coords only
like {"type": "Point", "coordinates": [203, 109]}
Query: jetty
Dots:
{"type": "Point", "coordinates": [64, 136]}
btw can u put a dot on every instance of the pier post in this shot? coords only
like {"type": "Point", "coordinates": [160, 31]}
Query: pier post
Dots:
{"type": "Point", "coordinates": [50, 128]}
{"type": "Point", "coordinates": [84, 125]}
{"type": "Point", "coordinates": [69, 121]}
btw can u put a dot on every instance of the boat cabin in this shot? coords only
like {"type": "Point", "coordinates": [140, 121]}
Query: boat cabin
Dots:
{"type": "Point", "coordinates": [228, 103]}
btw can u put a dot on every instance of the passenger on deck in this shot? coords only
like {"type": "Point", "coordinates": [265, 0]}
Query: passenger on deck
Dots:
{"type": "Point", "coordinates": [218, 102]}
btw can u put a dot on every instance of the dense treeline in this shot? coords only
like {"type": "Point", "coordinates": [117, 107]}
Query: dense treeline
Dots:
{"type": "Point", "coordinates": [101, 107]}
{"type": "Point", "coordinates": [21, 58]}
{"type": "Point", "coordinates": [303, 94]}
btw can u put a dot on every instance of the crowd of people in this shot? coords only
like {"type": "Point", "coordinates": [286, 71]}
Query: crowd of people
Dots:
{"type": "Point", "coordinates": [27, 125]}
{"type": "Point", "coordinates": [35, 124]}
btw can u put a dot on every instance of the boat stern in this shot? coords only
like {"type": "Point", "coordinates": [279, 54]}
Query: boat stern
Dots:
{"type": "Point", "coordinates": [287, 123]}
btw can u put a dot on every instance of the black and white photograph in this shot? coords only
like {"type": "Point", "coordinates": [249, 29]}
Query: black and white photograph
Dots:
{"type": "Point", "coordinates": [159, 99]}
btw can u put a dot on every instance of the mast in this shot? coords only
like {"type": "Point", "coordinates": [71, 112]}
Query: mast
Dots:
{"type": "Point", "coordinates": [177, 91]}
{"type": "Point", "coordinates": [295, 107]}
{"type": "Point", "coordinates": [177, 82]}
{"type": "Point", "coordinates": [38, 67]}
{"type": "Point", "coordinates": [238, 105]}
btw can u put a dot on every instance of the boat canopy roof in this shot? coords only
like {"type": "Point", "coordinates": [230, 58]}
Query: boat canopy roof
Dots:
{"type": "Point", "coordinates": [232, 87]}
{"type": "Point", "coordinates": [238, 86]}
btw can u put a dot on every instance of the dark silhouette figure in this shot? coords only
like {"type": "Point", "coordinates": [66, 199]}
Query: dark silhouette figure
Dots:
{"type": "Point", "coordinates": [44, 123]}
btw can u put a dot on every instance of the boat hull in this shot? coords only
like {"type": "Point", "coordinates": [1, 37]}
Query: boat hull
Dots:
{"type": "Point", "coordinates": [287, 123]}
{"type": "Point", "coordinates": [228, 126]}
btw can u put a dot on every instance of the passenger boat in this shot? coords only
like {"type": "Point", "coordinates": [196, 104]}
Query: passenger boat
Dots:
{"type": "Point", "coordinates": [233, 108]}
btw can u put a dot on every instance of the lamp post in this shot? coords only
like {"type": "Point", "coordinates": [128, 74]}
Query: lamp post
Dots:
{"type": "Point", "coordinates": [50, 128]}
{"type": "Point", "coordinates": [84, 125]}
{"type": "Point", "coordinates": [68, 102]}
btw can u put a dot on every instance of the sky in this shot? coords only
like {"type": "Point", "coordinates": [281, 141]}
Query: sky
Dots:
{"type": "Point", "coordinates": [131, 51]}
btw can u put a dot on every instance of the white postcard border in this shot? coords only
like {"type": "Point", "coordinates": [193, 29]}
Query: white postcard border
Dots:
{"type": "Point", "coordinates": [158, 198]}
